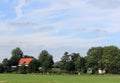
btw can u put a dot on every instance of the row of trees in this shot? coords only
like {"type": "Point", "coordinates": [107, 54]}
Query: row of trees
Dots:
{"type": "Point", "coordinates": [71, 63]}
{"type": "Point", "coordinates": [43, 63]}
{"type": "Point", "coordinates": [107, 58]}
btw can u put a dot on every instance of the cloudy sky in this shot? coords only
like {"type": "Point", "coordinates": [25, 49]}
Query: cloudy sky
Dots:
{"type": "Point", "coordinates": [58, 26]}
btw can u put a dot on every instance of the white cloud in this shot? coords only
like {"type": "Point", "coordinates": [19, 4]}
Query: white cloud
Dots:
{"type": "Point", "coordinates": [6, 27]}
{"type": "Point", "coordinates": [19, 7]}
{"type": "Point", "coordinates": [61, 25]}
{"type": "Point", "coordinates": [39, 41]}
{"type": "Point", "coordinates": [105, 3]}
{"type": "Point", "coordinates": [113, 28]}
{"type": "Point", "coordinates": [37, 18]}
{"type": "Point", "coordinates": [44, 13]}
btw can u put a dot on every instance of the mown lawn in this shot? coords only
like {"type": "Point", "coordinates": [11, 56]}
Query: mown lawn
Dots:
{"type": "Point", "coordinates": [19, 78]}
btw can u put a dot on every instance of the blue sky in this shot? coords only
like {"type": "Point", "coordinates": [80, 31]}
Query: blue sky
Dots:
{"type": "Point", "coordinates": [58, 26]}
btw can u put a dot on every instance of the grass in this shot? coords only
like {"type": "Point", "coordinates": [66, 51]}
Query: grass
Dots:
{"type": "Point", "coordinates": [32, 78]}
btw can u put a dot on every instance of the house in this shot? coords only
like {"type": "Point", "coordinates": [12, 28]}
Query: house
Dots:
{"type": "Point", "coordinates": [25, 61]}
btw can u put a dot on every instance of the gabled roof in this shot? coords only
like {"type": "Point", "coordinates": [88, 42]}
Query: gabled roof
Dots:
{"type": "Point", "coordinates": [25, 61]}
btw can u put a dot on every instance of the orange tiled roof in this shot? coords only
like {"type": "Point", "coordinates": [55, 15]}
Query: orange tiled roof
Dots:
{"type": "Point", "coordinates": [25, 61]}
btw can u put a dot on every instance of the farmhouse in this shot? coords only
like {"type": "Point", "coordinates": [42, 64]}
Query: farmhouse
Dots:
{"type": "Point", "coordinates": [25, 61]}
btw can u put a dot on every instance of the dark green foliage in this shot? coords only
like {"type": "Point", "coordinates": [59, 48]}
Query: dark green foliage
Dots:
{"type": "Point", "coordinates": [110, 58]}
{"type": "Point", "coordinates": [46, 61]}
{"type": "Point", "coordinates": [75, 56]}
{"type": "Point", "coordinates": [6, 65]}
{"type": "Point", "coordinates": [1, 68]}
{"type": "Point", "coordinates": [94, 56]}
{"type": "Point", "coordinates": [23, 69]}
{"type": "Point", "coordinates": [69, 66]}
{"type": "Point", "coordinates": [72, 62]}
{"type": "Point", "coordinates": [5, 62]}
{"type": "Point", "coordinates": [26, 56]}
{"type": "Point", "coordinates": [16, 55]}
{"type": "Point", "coordinates": [65, 58]}
{"type": "Point", "coordinates": [33, 66]}
{"type": "Point", "coordinates": [105, 58]}
{"type": "Point", "coordinates": [43, 55]}
{"type": "Point", "coordinates": [81, 65]}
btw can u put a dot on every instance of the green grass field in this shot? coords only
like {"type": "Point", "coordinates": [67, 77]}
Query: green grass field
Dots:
{"type": "Point", "coordinates": [19, 78]}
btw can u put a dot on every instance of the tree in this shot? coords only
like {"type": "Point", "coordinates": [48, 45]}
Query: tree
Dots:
{"type": "Point", "coordinates": [33, 66]}
{"type": "Point", "coordinates": [6, 64]}
{"type": "Point", "coordinates": [107, 58]}
{"type": "Point", "coordinates": [79, 62]}
{"type": "Point", "coordinates": [69, 66]}
{"type": "Point", "coordinates": [46, 60]}
{"type": "Point", "coordinates": [1, 68]}
{"type": "Point", "coordinates": [93, 58]}
{"type": "Point", "coordinates": [75, 58]}
{"type": "Point", "coordinates": [110, 57]}
{"type": "Point", "coordinates": [16, 55]}
{"type": "Point", "coordinates": [72, 62]}
{"type": "Point", "coordinates": [43, 56]}
{"type": "Point", "coordinates": [66, 57]}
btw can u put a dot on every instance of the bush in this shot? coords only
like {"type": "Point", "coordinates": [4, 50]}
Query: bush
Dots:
{"type": "Point", "coordinates": [23, 69]}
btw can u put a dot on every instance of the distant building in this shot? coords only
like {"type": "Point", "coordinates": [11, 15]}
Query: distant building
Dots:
{"type": "Point", "coordinates": [25, 61]}
{"type": "Point", "coordinates": [101, 71]}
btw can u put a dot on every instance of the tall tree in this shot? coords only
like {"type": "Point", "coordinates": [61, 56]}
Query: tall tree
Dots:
{"type": "Point", "coordinates": [75, 58]}
{"type": "Point", "coordinates": [93, 58]}
{"type": "Point", "coordinates": [79, 62]}
{"type": "Point", "coordinates": [64, 60]}
{"type": "Point", "coordinates": [110, 57]}
{"type": "Point", "coordinates": [65, 57]}
{"type": "Point", "coordinates": [16, 55]}
{"type": "Point", "coordinates": [46, 60]}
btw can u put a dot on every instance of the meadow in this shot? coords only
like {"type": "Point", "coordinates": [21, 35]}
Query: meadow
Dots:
{"type": "Point", "coordinates": [32, 78]}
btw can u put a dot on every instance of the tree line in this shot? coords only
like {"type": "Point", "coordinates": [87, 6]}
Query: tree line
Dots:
{"type": "Point", "coordinates": [105, 58]}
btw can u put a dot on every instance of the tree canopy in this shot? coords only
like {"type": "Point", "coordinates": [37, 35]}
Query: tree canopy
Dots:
{"type": "Point", "coordinates": [16, 55]}
{"type": "Point", "coordinates": [105, 58]}
{"type": "Point", "coordinates": [46, 60]}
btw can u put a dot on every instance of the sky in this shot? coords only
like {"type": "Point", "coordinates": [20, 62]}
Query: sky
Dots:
{"type": "Point", "coordinates": [58, 26]}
